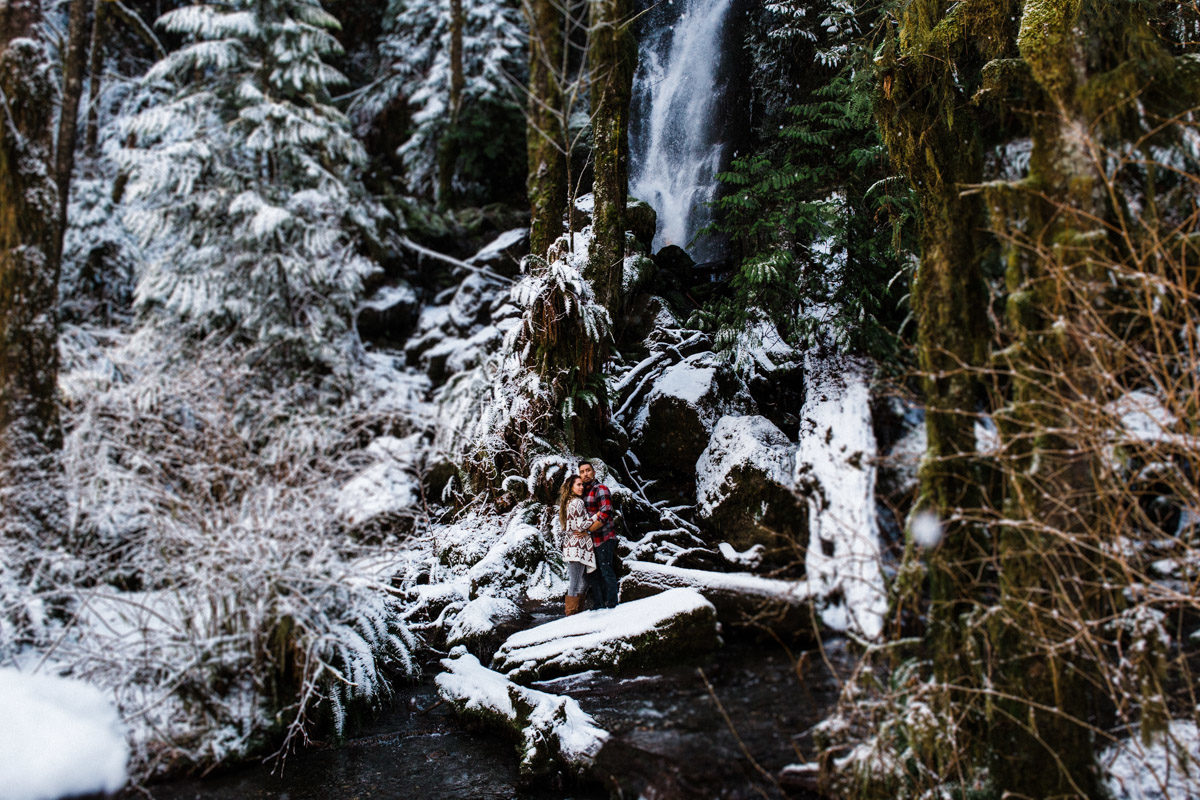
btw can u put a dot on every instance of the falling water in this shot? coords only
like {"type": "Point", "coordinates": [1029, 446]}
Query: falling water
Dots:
{"type": "Point", "coordinates": [677, 142]}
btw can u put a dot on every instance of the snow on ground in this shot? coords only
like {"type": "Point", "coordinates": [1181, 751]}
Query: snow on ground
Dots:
{"type": "Point", "coordinates": [386, 487]}
{"type": "Point", "coordinates": [547, 721]}
{"type": "Point", "coordinates": [60, 738]}
{"type": "Point", "coordinates": [1166, 769]}
{"type": "Point", "coordinates": [835, 466]}
{"type": "Point", "coordinates": [678, 620]}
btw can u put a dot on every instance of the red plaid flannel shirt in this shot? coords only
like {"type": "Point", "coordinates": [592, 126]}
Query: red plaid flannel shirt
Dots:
{"type": "Point", "coordinates": [598, 500]}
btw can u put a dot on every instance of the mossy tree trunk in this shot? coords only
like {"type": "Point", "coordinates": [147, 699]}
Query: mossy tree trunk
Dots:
{"type": "Point", "coordinates": [1081, 62]}
{"type": "Point", "coordinates": [612, 58]}
{"type": "Point", "coordinates": [546, 129]}
{"type": "Point", "coordinates": [31, 501]}
{"type": "Point", "coordinates": [932, 130]}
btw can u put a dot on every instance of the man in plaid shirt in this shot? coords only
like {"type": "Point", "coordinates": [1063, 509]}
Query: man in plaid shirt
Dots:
{"type": "Point", "coordinates": [598, 500]}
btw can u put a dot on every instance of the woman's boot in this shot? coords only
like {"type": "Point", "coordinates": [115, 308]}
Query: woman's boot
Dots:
{"type": "Point", "coordinates": [572, 604]}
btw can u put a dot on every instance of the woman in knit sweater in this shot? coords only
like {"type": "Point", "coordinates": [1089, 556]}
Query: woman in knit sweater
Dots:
{"type": "Point", "coordinates": [577, 542]}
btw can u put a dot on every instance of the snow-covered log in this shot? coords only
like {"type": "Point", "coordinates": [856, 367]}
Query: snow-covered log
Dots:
{"type": "Point", "coordinates": [835, 469]}
{"type": "Point", "coordinates": [552, 728]}
{"type": "Point", "coordinates": [741, 599]}
{"type": "Point", "coordinates": [658, 629]}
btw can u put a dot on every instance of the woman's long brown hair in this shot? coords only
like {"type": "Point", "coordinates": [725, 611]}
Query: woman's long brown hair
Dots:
{"type": "Point", "coordinates": [564, 497]}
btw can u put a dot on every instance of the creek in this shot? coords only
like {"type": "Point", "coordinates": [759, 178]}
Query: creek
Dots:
{"type": "Point", "coordinates": [670, 738]}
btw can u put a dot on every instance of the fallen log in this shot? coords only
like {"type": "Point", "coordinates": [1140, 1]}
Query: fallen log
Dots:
{"type": "Point", "coordinates": [742, 600]}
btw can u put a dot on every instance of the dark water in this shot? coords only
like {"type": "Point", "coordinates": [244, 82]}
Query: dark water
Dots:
{"type": "Point", "coordinates": [670, 739]}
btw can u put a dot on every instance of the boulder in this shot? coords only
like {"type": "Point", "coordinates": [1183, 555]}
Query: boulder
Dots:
{"type": "Point", "coordinates": [552, 729]}
{"type": "Point", "coordinates": [743, 489]}
{"type": "Point", "coordinates": [390, 314]}
{"type": "Point", "coordinates": [506, 569]}
{"type": "Point", "coordinates": [674, 262]}
{"type": "Point", "coordinates": [383, 500]}
{"type": "Point", "coordinates": [636, 271]}
{"type": "Point", "coordinates": [644, 314]}
{"type": "Point", "coordinates": [655, 630]}
{"type": "Point", "coordinates": [483, 623]}
{"type": "Point", "coordinates": [642, 220]}
{"type": "Point", "coordinates": [504, 253]}
{"type": "Point", "coordinates": [742, 600]}
{"type": "Point", "coordinates": [472, 299]}
{"type": "Point", "coordinates": [676, 418]}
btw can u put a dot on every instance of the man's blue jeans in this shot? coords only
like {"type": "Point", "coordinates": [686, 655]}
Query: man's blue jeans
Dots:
{"type": "Point", "coordinates": [604, 579]}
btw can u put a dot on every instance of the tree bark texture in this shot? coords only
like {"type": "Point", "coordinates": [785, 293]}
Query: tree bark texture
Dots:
{"type": "Point", "coordinates": [95, 65]}
{"type": "Point", "coordinates": [933, 135]}
{"type": "Point", "coordinates": [72, 91]}
{"type": "Point", "coordinates": [448, 146]}
{"type": "Point", "coordinates": [546, 129]}
{"type": "Point", "coordinates": [612, 58]}
{"type": "Point", "coordinates": [31, 501]}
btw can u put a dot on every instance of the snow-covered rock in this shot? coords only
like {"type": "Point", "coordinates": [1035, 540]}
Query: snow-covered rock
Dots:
{"type": "Point", "coordinates": [470, 302]}
{"type": "Point", "coordinates": [504, 253]}
{"type": "Point", "coordinates": [466, 541]}
{"type": "Point", "coordinates": [658, 629]}
{"type": "Point", "coordinates": [674, 422]}
{"type": "Point", "coordinates": [391, 314]}
{"type": "Point", "coordinates": [61, 738]}
{"type": "Point", "coordinates": [743, 487]}
{"type": "Point", "coordinates": [427, 603]}
{"type": "Point", "coordinates": [739, 597]}
{"type": "Point", "coordinates": [511, 563]}
{"type": "Point", "coordinates": [552, 728]}
{"type": "Point", "coordinates": [384, 498]}
{"type": "Point", "coordinates": [479, 619]}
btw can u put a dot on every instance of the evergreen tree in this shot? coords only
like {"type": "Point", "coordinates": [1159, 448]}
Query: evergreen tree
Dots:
{"type": "Point", "coordinates": [814, 227]}
{"type": "Point", "coordinates": [243, 181]}
{"type": "Point", "coordinates": [459, 73]}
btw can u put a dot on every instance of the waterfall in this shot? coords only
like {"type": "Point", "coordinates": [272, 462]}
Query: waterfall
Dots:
{"type": "Point", "coordinates": [677, 145]}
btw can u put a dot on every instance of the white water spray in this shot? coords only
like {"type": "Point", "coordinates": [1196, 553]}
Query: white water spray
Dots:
{"type": "Point", "coordinates": [677, 148]}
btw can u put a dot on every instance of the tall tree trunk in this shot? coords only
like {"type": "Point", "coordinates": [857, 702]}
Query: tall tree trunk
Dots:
{"type": "Point", "coordinates": [448, 146]}
{"type": "Point", "coordinates": [72, 91]}
{"type": "Point", "coordinates": [95, 65]}
{"type": "Point", "coordinates": [933, 136]}
{"type": "Point", "coordinates": [546, 131]}
{"type": "Point", "coordinates": [612, 57]}
{"type": "Point", "coordinates": [30, 436]}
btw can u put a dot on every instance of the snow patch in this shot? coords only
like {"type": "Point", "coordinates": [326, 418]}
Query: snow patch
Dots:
{"type": "Point", "coordinates": [835, 465]}
{"type": "Point", "coordinates": [62, 738]}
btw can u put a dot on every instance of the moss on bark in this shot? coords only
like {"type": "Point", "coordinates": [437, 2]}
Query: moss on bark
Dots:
{"type": "Point", "coordinates": [612, 56]}
{"type": "Point", "coordinates": [546, 134]}
{"type": "Point", "coordinates": [31, 500]}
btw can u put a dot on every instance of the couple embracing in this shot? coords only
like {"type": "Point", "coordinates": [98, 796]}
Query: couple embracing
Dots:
{"type": "Point", "coordinates": [585, 512]}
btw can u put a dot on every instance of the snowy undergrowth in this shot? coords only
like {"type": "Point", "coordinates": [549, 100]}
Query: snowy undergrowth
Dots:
{"type": "Point", "coordinates": [214, 594]}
